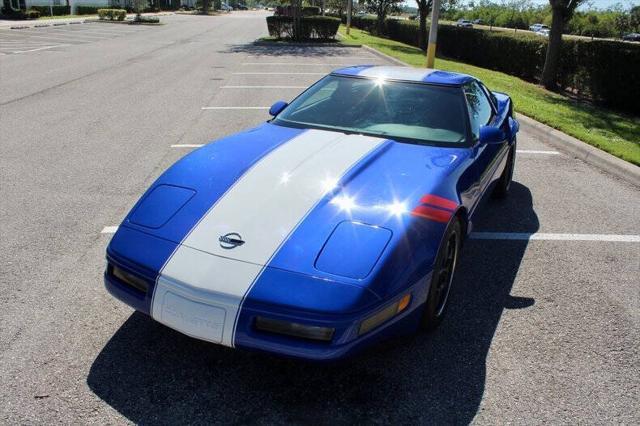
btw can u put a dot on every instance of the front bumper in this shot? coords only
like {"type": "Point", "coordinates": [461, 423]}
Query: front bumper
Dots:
{"type": "Point", "coordinates": [345, 341]}
{"type": "Point", "coordinates": [278, 295]}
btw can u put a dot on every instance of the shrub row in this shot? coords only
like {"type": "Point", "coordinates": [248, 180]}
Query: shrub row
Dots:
{"type": "Point", "coordinates": [111, 14]}
{"type": "Point", "coordinates": [87, 10]}
{"type": "Point", "coordinates": [313, 27]}
{"type": "Point", "coordinates": [57, 10]}
{"type": "Point", "coordinates": [8, 13]}
{"type": "Point", "coordinates": [146, 20]}
{"type": "Point", "coordinates": [31, 14]}
{"type": "Point", "coordinates": [600, 70]}
{"type": "Point", "coordinates": [306, 11]}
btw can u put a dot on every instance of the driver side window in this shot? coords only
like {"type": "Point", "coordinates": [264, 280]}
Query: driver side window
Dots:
{"type": "Point", "coordinates": [480, 110]}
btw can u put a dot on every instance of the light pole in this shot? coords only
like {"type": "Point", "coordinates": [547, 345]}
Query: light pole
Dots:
{"type": "Point", "coordinates": [349, 8]}
{"type": "Point", "coordinates": [433, 34]}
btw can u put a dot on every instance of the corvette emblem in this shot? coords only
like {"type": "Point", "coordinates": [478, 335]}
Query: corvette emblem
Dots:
{"type": "Point", "coordinates": [230, 240]}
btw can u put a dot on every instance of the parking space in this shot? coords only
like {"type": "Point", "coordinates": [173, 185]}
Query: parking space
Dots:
{"type": "Point", "coordinates": [37, 39]}
{"type": "Point", "coordinates": [545, 313]}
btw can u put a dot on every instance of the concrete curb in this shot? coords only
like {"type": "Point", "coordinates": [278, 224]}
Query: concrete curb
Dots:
{"type": "Point", "coordinates": [582, 151]}
{"type": "Point", "coordinates": [385, 56]}
{"type": "Point", "coordinates": [563, 142]}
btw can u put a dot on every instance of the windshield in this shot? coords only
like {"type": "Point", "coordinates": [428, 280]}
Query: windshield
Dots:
{"type": "Point", "coordinates": [420, 113]}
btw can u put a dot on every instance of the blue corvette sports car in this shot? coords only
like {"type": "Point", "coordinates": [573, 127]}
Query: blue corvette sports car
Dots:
{"type": "Point", "coordinates": [334, 224]}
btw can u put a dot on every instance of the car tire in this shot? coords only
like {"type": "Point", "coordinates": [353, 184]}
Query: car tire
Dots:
{"type": "Point", "coordinates": [442, 277]}
{"type": "Point", "coordinates": [501, 189]}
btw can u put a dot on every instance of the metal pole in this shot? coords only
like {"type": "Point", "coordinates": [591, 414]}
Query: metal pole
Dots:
{"type": "Point", "coordinates": [349, 8]}
{"type": "Point", "coordinates": [51, 7]}
{"type": "Point", "coordinates": [433, 34]}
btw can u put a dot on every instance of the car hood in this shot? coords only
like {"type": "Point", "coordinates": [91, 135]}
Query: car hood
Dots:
{"type": "Point", "coordinates": [299, 199]}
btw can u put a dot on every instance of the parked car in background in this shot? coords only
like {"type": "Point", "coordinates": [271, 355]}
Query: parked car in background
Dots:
{"type": "Point", "coordinates": [537, 27]}
{"type": "Point", "coordinates": [465, 23]}
{"type": "Point", "coordinates": [241, 6]}
{"type": "Point", "coordinates": [631, 37]}
{"type": "Point", "coordinates": [543, 32]}
{"type": "Point", "coordinates": [226, 7]}
{"type": "Point", "coordinates": [477, 21]}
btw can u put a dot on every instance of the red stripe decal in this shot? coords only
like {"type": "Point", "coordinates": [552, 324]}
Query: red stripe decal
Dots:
{"type": "Point", "coordinates": [437, 215]}
{"type": "Point", "coordinates": [439, 201]}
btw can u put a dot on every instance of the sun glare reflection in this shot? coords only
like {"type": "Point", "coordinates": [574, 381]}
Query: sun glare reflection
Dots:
{"type": "Point", "coordinates": [344, 203]}
{"type": "Point", "coordinates": [397, 208]}
{"type": "Point", "coordinates": [329, 184]}
{"type": "Point", "coordinates": [285, 177]}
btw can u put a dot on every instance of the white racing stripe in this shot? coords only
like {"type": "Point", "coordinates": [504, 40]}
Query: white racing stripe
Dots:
{"type": "Point", "coordinates": [396, 72]}
{"type": "Point", "coordinates": [201, 287]}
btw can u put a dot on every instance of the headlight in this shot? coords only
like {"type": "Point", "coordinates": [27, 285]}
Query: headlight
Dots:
{"type": "Point", "coordinates": [303, 331]}
{"type": "Point", "coordinates": [387, 313]}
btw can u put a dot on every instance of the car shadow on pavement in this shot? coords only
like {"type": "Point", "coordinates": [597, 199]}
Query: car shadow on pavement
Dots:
{"type": "Point", "coordinates": [322, 52]}
{"type": "Point", "coordinates": [152, 374]}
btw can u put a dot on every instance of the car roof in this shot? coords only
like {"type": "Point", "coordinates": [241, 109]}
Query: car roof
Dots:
{"type": "Point", "coordinates": [418, 75]}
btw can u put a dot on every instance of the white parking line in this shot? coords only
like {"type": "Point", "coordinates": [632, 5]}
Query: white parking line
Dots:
{"type": "Point", "coordinates": [532, 151]}
{"type": "Point", "coordinates": [56, 34]}
{"type": "Point", "coordinates": [554, 237]}
{"type": "Point", "coordinates": [264, 87]}
{"type": "Point", "coordinates": [279, 73]}
{"type": "Point", "coordinates": [109, 230]}
{"type": "Point", "coordinates": [344, 64]}
{"type": "Point", "coordinates": [39, 48]}
{"type": "Point", "coordinates": [232, 107]}
{"type": "Point", "coordinates": [55, 38]}
{"type": "Point", "coordinates": [518, 236]}
{"type": "Point", "coordinates": [187, 145]}
{"type": "Point", "coordinates": [336, 58]}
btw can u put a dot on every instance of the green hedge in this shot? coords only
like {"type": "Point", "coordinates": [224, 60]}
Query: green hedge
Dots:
{"type": "Point", "coordinates": [32, 14]}
{"type": "Point", "coordinates": [57, 10]}
{"type": "Point", "coordinates": [146, 20]}
{"type": "Point", "coordinates": [111, 14]}
{"type": "Point", "coordinates": [87, 10]}
{"type": "Point", "coordinates": [313, 27]}
{"type": "Point", "coordinates": [600, 70]}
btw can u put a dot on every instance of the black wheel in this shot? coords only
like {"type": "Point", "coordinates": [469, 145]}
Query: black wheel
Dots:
{"type": "Point", "coordinates": [442, 277]}
{"type": "Point", "coordinates": [501, 189]}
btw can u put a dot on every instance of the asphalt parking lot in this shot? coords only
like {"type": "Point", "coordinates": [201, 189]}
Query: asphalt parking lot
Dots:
{"type": "Point", "coordinates": [55, 37]}
{"type": "Point", "coordinates": [544, 324]}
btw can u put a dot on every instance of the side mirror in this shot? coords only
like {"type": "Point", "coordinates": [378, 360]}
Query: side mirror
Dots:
{"type": "Point", "coordinates": [514, 126]}
{"type": "Point", "coordinates": [277, 108]}
{"type": "Point", "coordinates": [491, 135]}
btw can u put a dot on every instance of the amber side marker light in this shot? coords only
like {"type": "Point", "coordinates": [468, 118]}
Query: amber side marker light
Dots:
{"type": "Point", "coordinates": [387, 313]}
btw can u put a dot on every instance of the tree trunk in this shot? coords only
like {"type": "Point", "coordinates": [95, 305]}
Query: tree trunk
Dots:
{"type": "Point", "coordinates": [422, 32]}
{"type": "Point", "coordinates": [297, 19]}
{"type": "Point", "coordinates": [381, 15]}
{"type": "Point", "coordinates": [554, 49]}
